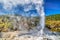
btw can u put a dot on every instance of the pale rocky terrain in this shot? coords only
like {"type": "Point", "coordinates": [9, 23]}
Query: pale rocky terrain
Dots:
{"type": "Point", "coordinates": [22, 28]}
{"type": "Point", "coordinates": [15, 36]}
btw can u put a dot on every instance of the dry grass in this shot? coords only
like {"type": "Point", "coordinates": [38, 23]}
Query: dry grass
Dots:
{"type": "Point", "coordinates": [54, 25]}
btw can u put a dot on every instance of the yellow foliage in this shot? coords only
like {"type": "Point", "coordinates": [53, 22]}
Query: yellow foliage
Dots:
{"type": "Point", "coordinates": [4, 23]}
{"type": "Point", "coordinates": [54, 25]}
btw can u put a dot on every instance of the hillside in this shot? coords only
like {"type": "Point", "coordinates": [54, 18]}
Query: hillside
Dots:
{"type": "Point", "coordinates": [53, 22]}
{"type": "Point", "coordinates": [9, 23]}
{"type": "Point", "coordinates": [53, 17]}
{"type": "Point", "coordinates": [16, 23]}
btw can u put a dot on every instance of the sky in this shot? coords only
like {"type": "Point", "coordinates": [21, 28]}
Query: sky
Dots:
{"type": "Point", "coordinates": [52, 7]}
{"type": "Point", "coordinates": [10, 6]}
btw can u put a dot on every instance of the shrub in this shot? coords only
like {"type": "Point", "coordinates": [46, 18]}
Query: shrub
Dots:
{"type": "Point", "coordinates": [5, 23]}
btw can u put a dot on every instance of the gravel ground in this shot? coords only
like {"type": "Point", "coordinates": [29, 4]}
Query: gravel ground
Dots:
{"type": "Point", "coordinates": [14, 36]}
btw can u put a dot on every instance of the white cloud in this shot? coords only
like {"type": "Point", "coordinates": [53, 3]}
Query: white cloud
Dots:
{"type": "Point", "coordinates": [37, 1]}
{"type": "Point", "coordinates": [8, 3]}
{"type": "Point", "coordinates": [33, 15]}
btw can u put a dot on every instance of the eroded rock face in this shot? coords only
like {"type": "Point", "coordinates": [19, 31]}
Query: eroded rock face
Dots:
{"type": "Point", "coordinates": [15, 23]}
{"type": "Point", "coordinates": [23, 23]}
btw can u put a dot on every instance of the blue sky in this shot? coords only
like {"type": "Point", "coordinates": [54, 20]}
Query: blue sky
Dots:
{"type": "Point", "coordinates": [52, 7]}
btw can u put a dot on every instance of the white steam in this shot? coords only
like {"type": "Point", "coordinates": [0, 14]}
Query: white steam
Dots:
{"type": "Point", "coordinates": [8, 4]}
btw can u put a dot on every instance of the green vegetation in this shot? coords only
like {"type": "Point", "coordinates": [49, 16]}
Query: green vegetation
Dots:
{"type": "Point", "coordinates": [53, 17]}
{"type": "Point", "coordinates": [53, 22]}
{"type": "Point", "coordinates": [5, 23]}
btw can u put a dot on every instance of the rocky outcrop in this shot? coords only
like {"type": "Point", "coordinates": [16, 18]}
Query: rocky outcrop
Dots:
{"type": "Point", "coordinates": [20, 23]}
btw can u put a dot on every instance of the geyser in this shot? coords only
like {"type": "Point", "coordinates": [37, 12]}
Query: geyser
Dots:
{"type": "Point", "coordinates": [9, 4]}
{"type": "Point", "coordinates": [40, 10]}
